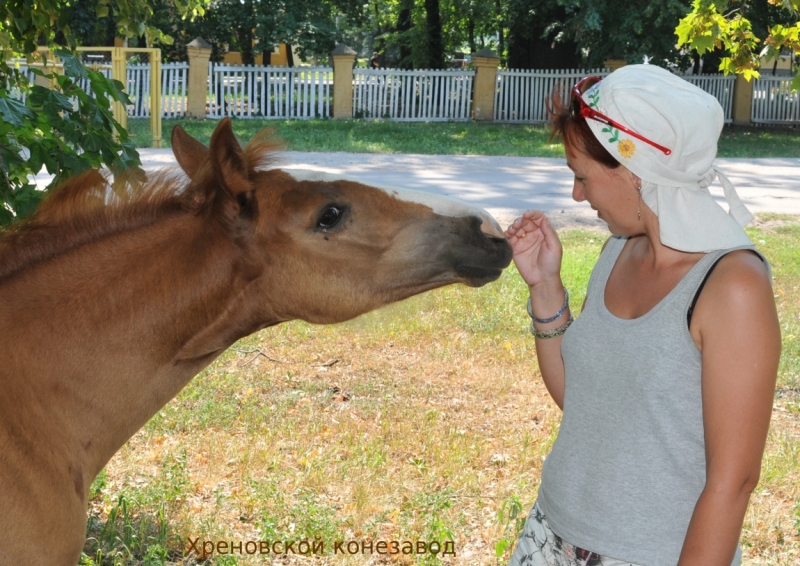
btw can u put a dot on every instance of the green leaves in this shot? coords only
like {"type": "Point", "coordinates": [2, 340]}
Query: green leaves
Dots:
{"type": "Point", "coordinates": [50, 101]}
{"type": "Point", "coordinates": [781, 37]}
{"type": "Point", "coordinates": [704, 29]}
{"type": "Point", "coordinates": [64, 129]}
{"type": "Point", "coordinates": [72, 64]}
{"type": "Point", "coordinates": [741, 43]}
{"type": "Point", "coordinates": [13, 112]}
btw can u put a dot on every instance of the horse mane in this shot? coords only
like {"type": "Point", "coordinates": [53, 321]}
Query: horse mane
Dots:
{"type": "Point", "coordinates": [92, 206]}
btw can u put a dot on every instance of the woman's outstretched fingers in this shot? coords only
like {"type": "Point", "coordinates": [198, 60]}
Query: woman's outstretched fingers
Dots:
{"type": "Point", "coordinates": [525, 224]}
{"type": "Point", "coordinates": [522, 234]}
{"type": "Point", "coordinates": [536, 247]}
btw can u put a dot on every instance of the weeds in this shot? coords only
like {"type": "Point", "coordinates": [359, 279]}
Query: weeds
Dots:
{"type": "Point", "coordinates": [130, 537]}
{"type": "Point", "coordinates": [511, 518]}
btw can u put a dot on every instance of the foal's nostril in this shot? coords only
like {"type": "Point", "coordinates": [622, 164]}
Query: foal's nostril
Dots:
{"type": "Point", "coordinates": [490, 227]}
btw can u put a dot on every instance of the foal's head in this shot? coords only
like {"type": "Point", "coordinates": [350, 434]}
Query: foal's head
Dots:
{"type": "Point", "coordinates": [327, 249]}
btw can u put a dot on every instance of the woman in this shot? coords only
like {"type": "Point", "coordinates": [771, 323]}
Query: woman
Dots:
{"type": "Point", "coordinates": [666, 391]}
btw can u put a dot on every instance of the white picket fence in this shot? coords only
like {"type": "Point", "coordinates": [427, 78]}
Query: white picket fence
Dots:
{"type": "Point", "coordinates": [174, 89]}
{"type": "Point", "coordinates": [774, 102]}
{"type": "Point", "coordinates": [521, 94]}
{"type": "Point", "coordinates": [248, 91]}
{"type": "Point", "coordinates": [174, 86]}
{"type": "Point", "coordinates": [418, 95]}
{"type": "Point", "coordinates": [405, 95]}
{"type": "Point", "coordinates": [719, 86]}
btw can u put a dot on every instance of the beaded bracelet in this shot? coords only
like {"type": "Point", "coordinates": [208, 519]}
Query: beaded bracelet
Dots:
{"type": "Point", "coordinates": [551, 333]}
{"type": "Point", "coordinates": [555, 316]}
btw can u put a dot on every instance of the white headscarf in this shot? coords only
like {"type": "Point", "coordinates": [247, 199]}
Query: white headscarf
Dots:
{"type": "Point", "coordinates": [676, 114]}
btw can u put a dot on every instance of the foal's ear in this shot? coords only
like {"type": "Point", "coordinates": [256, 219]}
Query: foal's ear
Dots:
{"type": "Point", "coordinates": [190, 153]}
{"type": "Point", "coordinates": [227, 160]}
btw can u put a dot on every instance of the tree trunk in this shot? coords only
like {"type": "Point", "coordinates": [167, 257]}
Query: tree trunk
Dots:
{"type": "Point", "coordinates": [711, 61]}
{"type": "Point", "coordinates": [435, 41]}
{"type": "Point", "coordinates": [404, 24]}
{"type": "Point", "coordinates": [530, 46]}
{"type": "Point", "coordinates": [245, 37]}
{"type": "Point", "coordinates": [379, 45]}
{"type": "Point", "coordinates": [501, 32]}
{"type": "Point", "coordinates": [471, 32]}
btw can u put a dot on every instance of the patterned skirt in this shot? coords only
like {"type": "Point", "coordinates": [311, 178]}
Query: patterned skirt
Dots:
{"type": "Point", "coordinates": [540, 546]}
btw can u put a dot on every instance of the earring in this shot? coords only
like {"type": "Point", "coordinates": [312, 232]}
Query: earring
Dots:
{"type": "Point", "coordinates": [639, 204]}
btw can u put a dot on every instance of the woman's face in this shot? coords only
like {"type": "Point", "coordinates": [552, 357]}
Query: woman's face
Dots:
{"type": "Point", "coordinates": [611, 192]}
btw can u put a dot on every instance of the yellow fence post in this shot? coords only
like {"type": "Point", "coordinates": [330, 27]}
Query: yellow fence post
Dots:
{"type": "Point", "coordinates": [155, 96]}
{"type": "Point", "coordinates": [119, 72]}
{"type": "Point", "coordinates": [199, 52]}
{"type": "Point", "coordinates": [485, 63]}
{"type": "Point", "coordinates": [614, 64]}
{"type": "Point", "coordinates": [742, 101]}
{"type": "Point", "coordinates": [343, 60]}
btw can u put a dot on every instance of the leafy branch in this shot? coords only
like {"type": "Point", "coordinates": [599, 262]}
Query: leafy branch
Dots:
{"type": "Point", "coordinates": [69, 127]}
{"type": "Point", "coordinates": [63, 129]}
{"type": "Point", "coordinates": [705, 29]}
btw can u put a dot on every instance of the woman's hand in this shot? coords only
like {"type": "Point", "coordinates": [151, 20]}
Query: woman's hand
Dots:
{"type": "Point", "coordinates": [537, 255]}
{"type": "Point", "coordinates": [536, 247]}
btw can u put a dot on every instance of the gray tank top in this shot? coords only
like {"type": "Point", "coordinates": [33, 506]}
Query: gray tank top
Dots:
{"type": "Point", "coordinates": [628, 465]}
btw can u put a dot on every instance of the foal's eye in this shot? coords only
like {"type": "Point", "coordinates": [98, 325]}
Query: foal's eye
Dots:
{"type": "Point", "coordinates": [329, 217]}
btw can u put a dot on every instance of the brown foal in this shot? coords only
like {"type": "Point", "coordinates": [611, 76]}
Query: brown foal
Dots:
{"type": "Point", "coordinates": [113, 296]}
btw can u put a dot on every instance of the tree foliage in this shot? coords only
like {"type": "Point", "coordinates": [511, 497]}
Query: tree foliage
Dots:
{"type": "Point", "coordinates": [632, 30]}
{"type": "Point", "coordinates": [726, 24]}
{"type": "Point", "coordinates": [408, 35]}
{"type": "Point", "coordinates": [64, 128]}
{"type": "Point", "coordinates": [539, 37]}
{"type": "Point", "coordinates": [68, 127]}
{"type": "Point", "coordinates": [254, 26]}
{"type": "Point", "coordinates": [533, 33]}
{"type": "Point", "coordinates": [559, 33]}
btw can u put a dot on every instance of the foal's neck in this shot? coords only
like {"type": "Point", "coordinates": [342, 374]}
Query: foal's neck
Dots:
{"type": "Point", "coordinates": [113, 330]}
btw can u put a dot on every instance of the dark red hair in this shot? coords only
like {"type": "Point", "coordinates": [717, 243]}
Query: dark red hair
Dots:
{"type": "Point", "coordinates": [574, 131]}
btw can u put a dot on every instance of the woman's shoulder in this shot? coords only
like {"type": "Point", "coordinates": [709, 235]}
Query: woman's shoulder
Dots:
{"type": "Point", "coordinates": [741, 267]}
{"type": "Point", "coordinates": [739, 286]}
{"type": "Point", "coordinates": [736, 308]}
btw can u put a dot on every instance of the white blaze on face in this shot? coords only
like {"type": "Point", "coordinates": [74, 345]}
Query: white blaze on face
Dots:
{"type": "Point", "coordinates": [439, 204]}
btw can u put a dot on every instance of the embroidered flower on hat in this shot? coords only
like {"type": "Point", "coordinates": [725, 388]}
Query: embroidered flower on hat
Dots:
{"type": "Point", "coordinates": [626, 148]}
{"type": "Point", "coordinates": [614, 133]}
{"type": "Point", "coordinates": [594, 96]}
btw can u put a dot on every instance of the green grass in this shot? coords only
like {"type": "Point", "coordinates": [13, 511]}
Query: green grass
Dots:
{"type": "Point", "coordinates": [363, 136]}
{"type": "Point", "coordinates": [783, 243]}
{"type": "Point", "coordinates": [747, 142]}
{"type": "Point", "coordinates": [400, 438]}
{"type": "Point", "coordinates": [445, 138]}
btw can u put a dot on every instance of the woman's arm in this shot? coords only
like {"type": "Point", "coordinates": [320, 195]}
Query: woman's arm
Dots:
{"type": "Point", "coordinates": [736, 324]}
{"type": "Point", "coordinates": [537, 255]}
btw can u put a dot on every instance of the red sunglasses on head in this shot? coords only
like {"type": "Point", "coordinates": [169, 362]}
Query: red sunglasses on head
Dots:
{"type": "Point", "coordinates": [579, 108]}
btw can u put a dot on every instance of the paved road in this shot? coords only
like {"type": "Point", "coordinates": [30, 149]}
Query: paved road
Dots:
{"type": "Point", "coordinates": [506, 186]}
